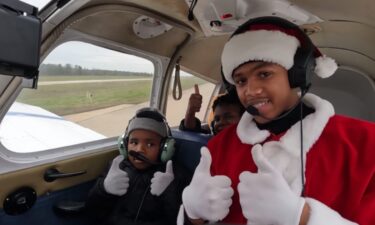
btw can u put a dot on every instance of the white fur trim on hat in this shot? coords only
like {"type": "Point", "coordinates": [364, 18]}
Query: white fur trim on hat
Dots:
{"type": "Point", "coordinates": [263, 45]}
{"type": "Point", "coordinates": [325, 66]}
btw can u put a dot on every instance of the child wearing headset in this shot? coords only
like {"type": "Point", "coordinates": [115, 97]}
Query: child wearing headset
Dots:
{"type": "Point", "coordinates": [290, 160]}
{"type": "Point", "coordinates": [227, 110]}
{"type": "Point", "coordinates": [142, 185]}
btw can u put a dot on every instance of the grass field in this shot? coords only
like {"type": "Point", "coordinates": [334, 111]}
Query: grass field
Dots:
{"type": "Point", "coordinates": [66, 99]}
{"type": "Point", "coordinates": [87, 77]}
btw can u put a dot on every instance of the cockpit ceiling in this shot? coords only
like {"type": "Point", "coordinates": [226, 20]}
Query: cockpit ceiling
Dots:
{"type": "Point", "coordinates": [346, 34]}
{"type": "Point", "coordinates": [120, 30]}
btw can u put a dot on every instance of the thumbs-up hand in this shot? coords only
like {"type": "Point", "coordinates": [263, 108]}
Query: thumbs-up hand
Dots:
{"type": "Point", "coordinates": [266, 197]}
{"type": "Point", "coordinates": [117, 181]}
{"type": "Point", "coordinates": [161, 180]}
{"type": "Point", "coordinates": [195, 101]}
{"type": "Point", "coordinates": [207, 197]}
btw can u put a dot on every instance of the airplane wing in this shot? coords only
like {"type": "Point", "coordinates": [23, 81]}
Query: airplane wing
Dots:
{"type": "Point", "coordinates": [30, 128]}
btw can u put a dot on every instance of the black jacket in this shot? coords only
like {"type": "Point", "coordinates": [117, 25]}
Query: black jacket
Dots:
{"type": "Point", "coordinates": [138, 205]}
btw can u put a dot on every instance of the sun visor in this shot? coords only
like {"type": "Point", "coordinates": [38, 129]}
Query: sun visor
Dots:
{"type": "Point", "coordinates": [20, 30]}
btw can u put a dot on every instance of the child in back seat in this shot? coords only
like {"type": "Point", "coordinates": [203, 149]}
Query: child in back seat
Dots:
{"type": "Point", "coordinates": [227, 110]}
{"type": "Point", "coordinates": [142, 186]}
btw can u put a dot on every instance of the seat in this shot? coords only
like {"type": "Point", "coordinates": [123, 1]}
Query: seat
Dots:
{"type": "Point", "coordinates": [188, 145]}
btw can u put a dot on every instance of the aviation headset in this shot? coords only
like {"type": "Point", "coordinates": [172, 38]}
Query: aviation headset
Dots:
{"type": "Point", "coordinates": [300, 74]}
{"type": "Point", "coordinates": [146, 119]}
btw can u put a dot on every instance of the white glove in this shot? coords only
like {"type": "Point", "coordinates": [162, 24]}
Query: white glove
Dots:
{"type": "Point", "coordinates": [117, 180]}
{"type": "Point", "coordinates": [265, 197]}
{"type": "Point", "coordinates": [207, 197]}
{"type": "Point", "coordinates": [161, 180]}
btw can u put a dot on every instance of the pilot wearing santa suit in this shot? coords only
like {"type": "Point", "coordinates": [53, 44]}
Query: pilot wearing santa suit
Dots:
{"type": "Point", "coordinates": [290, 160]}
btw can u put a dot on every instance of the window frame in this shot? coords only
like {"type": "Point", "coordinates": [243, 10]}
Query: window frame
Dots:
{"type": "Point", "coordinates": [207, 108]}
{"type": "Point", "coordinates": [12, 161]}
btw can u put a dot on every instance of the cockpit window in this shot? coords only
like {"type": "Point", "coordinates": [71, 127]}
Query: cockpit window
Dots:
{"type": "Point", "coordinates": [85, 93]}
{"type": "Point", "coordinates": [176, 109]}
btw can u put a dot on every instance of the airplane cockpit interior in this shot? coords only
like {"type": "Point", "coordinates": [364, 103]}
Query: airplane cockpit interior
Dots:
{"type": "Point", "coordinates": [73, 73]}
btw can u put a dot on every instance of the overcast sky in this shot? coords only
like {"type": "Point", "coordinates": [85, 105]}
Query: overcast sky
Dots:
{"type": "Point", "coordinates": [93, 57]}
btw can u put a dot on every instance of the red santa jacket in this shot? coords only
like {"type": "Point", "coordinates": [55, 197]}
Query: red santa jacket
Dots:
{"type": "Point", "coordinates": [339, 167]}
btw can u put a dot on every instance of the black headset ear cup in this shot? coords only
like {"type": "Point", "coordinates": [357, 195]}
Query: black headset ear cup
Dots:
{"type": "Point", "coordinates": [122, 144]}
{"type": "Point", "coordinates": [167, 149]}
{"type": "Point", "coordinates": [300, 74]}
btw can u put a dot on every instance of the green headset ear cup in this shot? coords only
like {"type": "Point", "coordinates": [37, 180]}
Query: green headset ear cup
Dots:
{"type": "Point", "coordinates": [122, 147]}
{"type": "Point", "coordinates": [168, 150]}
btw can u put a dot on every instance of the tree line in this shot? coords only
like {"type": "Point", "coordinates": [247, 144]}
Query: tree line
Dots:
{"type": "Point", "coordinates": [68, 69]}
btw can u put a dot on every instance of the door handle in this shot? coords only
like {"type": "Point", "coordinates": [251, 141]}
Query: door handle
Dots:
{"type": "Point", "coordinates": [53, 174]}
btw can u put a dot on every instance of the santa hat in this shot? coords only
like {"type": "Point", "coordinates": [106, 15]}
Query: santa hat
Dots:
{"type": "Point", "coordinates": [270, 39]}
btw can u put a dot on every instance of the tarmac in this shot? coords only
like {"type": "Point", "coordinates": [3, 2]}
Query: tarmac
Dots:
{"type": "Point", "coordinates": [112, 121]}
